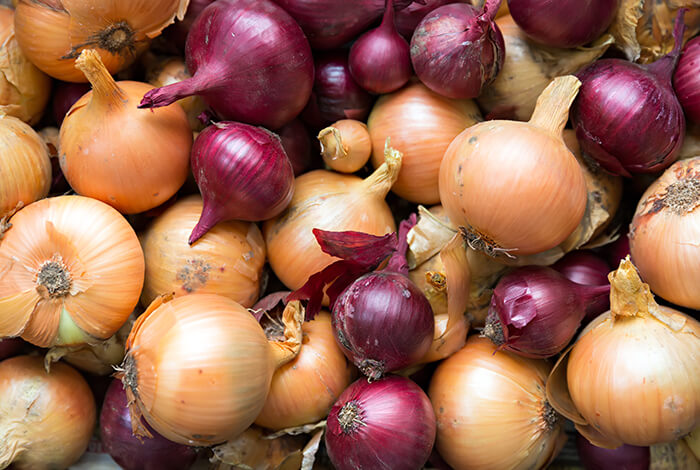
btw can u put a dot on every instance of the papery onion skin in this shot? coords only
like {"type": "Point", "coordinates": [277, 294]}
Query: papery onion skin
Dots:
{"type": "Point", "coordinates": [64, 96]}
{"type": "Point", "coordinates": [686, 81]}
{"type": "Point", "coordinates": [388, 424]}
{"type": "Point", "coordinates": [46, 419]}
{"type": "Point", "coordinates": [625, 457]}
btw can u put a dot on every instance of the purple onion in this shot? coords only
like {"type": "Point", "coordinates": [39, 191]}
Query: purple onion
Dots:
{"type": "Point", "coordinates": [249, 61]}
{"type": "Point", "coordinates": [627, 116]}
{"type": "Point", "coordinates": [297, 145]}
{"type": "Point", "coordinates": [618, 250]}
{"type": "Point", "coordinates": [10, 347]}
{"type": "Point", "coordinates": [587, 268]}
{"type": "Point", "coordinates": [687, 80]}
{"type": "Point", "coordinates": [407, 19]}
{"type": "Point", "coordinates": [379, 60]}
{"type": "Point", "coordinates": [65, 94]}
{"type": "Point", "coordinates": [384, 425]}
{"type": "Point", "coordinates": [625, 457]}
{"type": "Point", "coordinates": [156, 453]}
{"type": "Point", "coordinates": [176, 33]}
{"type": "Point", "coordinates": [242, 172]}
{"type": "Point", "coordinates": [563, 23]}
{"type": "Point", "coordinates": [535, 311]}
{"type": "Point", "coordinates": [457, 50]}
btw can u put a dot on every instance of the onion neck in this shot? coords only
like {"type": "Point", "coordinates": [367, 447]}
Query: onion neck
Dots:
{"type": "Point", "coordinates": [105, 91]}
{"type": "Point", "coordinates": [664, 67]}
{"type": "Point", "coordinates": [387, 25]}
{"type": "Point", "coordinates": [287, 349]}
{"type": "Point", "coordinates": [552, 108]}
{"type": "Point", "coordinates": [331, 142]}
{"type": "Point", "coordinates": [164, 96]}
{"type": "Point", "coordinates": [594, 298]}
{"type": "Point", "coordinates": [490, 10]}
{"type": "Point", "coordinates": [380, 182]}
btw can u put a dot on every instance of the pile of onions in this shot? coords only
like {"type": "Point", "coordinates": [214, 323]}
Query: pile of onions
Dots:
{"type": "Point", "coordinates": [345, 145]}
{"type": "Point", "coordinates": [130, 452]}
{"type": "Point", "coordinates": [479, 395]}
{"type": "Point", "coordinates": [514, 188]}
{"type": "Point", "coordinates": [46, 419]}
{"type": "Point", "coordinates": [230, 77]}
{"type": "Point", "coordinates": [198, 367]}
{"type": "Point", "coordinates": [131, 159]}
{"type": "Point", "coordinates": [328, 201]}
{"type": "Point", "coordinates": [228, 260]}
{"type": "Point", "coordinates": [638, 354]}
{"type": "Point", "coordinates": [64, 282]}
{"type": "Point", "coordinates": [686, 80]}
{"type": "Point", "coordinates": [242, 172]}
{"type": "Point", "coordinates": [388, 425]}
{"type": "Point", "coordinates": [421, 124]}
{"type": "Point", "coordinates": [457, 50]}
{"type": "Point", "coordinates": [664, 233]}
{"type": "Point", "coordinates": [52, 33]}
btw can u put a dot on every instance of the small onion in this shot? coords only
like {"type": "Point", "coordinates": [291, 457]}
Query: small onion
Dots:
{"type": "Point", "coordinates": [686, 80]}
{"type": "Point", "coordinates": [345, 145]}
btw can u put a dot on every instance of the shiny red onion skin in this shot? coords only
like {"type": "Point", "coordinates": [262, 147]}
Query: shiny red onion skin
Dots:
{"type": "Point", "coordinates": [297, 145]}
{"type": "Point", "coordinates": [64, 96]}
{"type": "Point", "coordinates": [242, 172]}
{"type": "Point", "coordinates": [407, 19]}
{"type": "Point", "coordinates": [383, 322]}
{"type": "Point", "coordinates": [625, 457]}
{"type": "Point", "coordinates": [10, 347]}
{"type": "Point", "coordinates": [686, 80]}
{"type": "Point", "coordinates": [587, 268]}
{"type": "Point", "coordinates": [157, 453]}
{"type": "Point", "coordinates": [177, 32]}
{"type": "Point", "coordinates": [457, 50]}
{"type": "Point", "coordinates": [563, 23]}
{"type": "Point", "coordinates": [397, 431]}
{"type": "Point", "coordinates": [263, 77]}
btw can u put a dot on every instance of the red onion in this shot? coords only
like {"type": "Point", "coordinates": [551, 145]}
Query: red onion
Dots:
{"type": "Point", "coordinates": [687, 80]}
{"type": "Point", "coordinates": [297, 145]}
{"type": "Point", "coordinates": [131, 454]}
{"type": "Point", "coordinates": [618, 250]}
{"type": "Point", "coordinates": [625, 457]}
{"type": "Point", "coordinates": [249, 61]}
{"type": "Point", "coordinates": [457, 50]}
{"type": "Point", "coordinates": [242, 172]}
{"type": "Point", "coordinates": [563, 23]}
{"type": "Point", "coordinates": [10, 347]}
{"type": "Point", "coordinates": [379, 60]}
{"type": "Point", "coordinates": [335, 95]}
{"type": "Point", "coordinates": [535, 311]}
{"type": "Point", "coordinates": [65, 94]}
{"type": "Point", "coordinates": [384, 425]}
{"type": "Point", "coordinates": [407, 19]}
{"type": "Point", "coordinates": [176, 33]}
{"type": "Point", "coordinates": [627, 116]}
{"type": "Point", "coordinates": [587, 268]}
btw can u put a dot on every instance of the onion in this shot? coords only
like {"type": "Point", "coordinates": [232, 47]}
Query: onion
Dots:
{"type": "Point", "coordinates": [686, 80]}
{"type": "Point", "coordinates": [297, 145]}
{"type": "Point", "coordinates": [46, 419]}
{"type": "Point", "coordinates": [479, 395]}
{"type": "Point", "coordinates": [176, 33]}
{"type": "Point", "coordinates": [650, 111]}
{"type": "Point", "coordinates": [624, 457]}
{"type": "Point", "coordinates": [130, 452]}
{"type": "Point", "coordinates": [65, 94]}
{"type": "Point", "coordinates": [535, 311]}
{"type": "Point", "coordinates": [379, 60]}
{"type": "Point", "coordinates": [131, 159]}
{"type": "Point", "coordinates": [387, 424]}
{"type": "Point", "coordinates": [515, 188]}
{"type": "Point", "coordinates": [346, 145]}
{"type": "Point", "coordinates": [268, 87]}
{"type": "Point", "coordinates": [457, 50]}
{"type": "Point", "coordinates": [664, 233]}
{"type": "Point", "coordinates": [618, 250]}
{"type": "Point", "coordinates": [198, 368]}
{"type": "Point", "coordinates": [407, 19]}
{"type": "Point", "coordinates": [639, 354]}
{"type": "Point", "coordinates": [584, 267]}
{"type": "Point", "coordinates": [563, 28]}
{"type": "Point", "coordinates": [10, 347]}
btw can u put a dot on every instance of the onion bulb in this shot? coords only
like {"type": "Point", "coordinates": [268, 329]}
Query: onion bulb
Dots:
{"type": "Point", "coordinates": [421, 125]}
{"type": "Point", "coordinates": [228, 260]}
{"type": "Point", "coordinates": [329, 201]}
{"type": "Point", "coordinates": [480, 395]}
{"type": "Point", "coordinates": [46, 419]}
{"type": "Point", "coordinates": [66, 282]}
{"type": "Point", "coordinates": [345, 145]}
{"type": "Point", "coordinates": [515, 188]}
{"type": "Point", "coordinates": [52, 33]}
{"type": "Point", "coordinates": [639, 354]}
{"type": "Point", "coordinates": [132, 159]}
{"type": "Point", "coordinates": [198, 368]}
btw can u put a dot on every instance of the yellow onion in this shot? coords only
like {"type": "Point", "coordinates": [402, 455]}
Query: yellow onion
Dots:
{"type": "Point", "coordinates": [24, 89]}
{"type": "Point", "coordinates": [328, 201]}
{"type": "Point", "coordinates": [633, 374]}
{"type": "Point", "coordinates": [71, 271]}
{"type": "Point", "coordinates": [52, 33]}
{"type": "Point", "coordinates": [132, 159]}
{"type": "Point", "coordinates": [421, 124]}
{"type": "Point", "coordinates": [228, 260]}
{"type": "Point", "coordinates": [665, 231]}
{"type": "Point", "coordinates": [345, 145]}
{"type": "Point", "coordinates": [198, 367]}
{"type": "Point", "coordinates": [304, 389]}
{"type": "Point", "coordinates": [46, 419]}
{"type": "Point", "coordinates": [492, 412]}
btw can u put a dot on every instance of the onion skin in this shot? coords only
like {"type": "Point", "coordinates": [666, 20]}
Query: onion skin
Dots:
{"type": "Point", "coordinates": [686, 81]}
{"type": "Point", "coordinates": [584, 267]}
{"type": "Point", "coordinates": [396, 428]}
{"type": "Point", "coordinates": [625, 457]}
{"type": "Point", "coordinates": [156, 453]}
{"type": "Point", "coordinates": [65, 94]}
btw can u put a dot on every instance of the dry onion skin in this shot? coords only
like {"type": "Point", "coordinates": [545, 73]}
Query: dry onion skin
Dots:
{"type": "Point", "coordinates": [345, 145]}
{"type": "Point", "coordinates": [198, 368]}
{"type": "Point", "coordinates": [64, 281]}
{"type": "Point", "coordinates": [52, 33]}
{"type": "Point", "coordinates": [46, 419]}
{"type": "Point", "coordinates": [665, 231]}
{"type": "Point", "coordinates": [633, 374]}
{"type": "Point", "coordinates": [254, 450]}
{"type": "Point", "coordinates": [421, 124]}
{"type": "Point", "coordinates": [691, 142]}
{"type": "Point", "coordinates": [228, 260]}
{"type": "Point", "coordinates": [492, 412]}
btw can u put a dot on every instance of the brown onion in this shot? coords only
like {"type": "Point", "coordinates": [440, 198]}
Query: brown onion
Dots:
{"type": "Point", "coordinates": [345, 145]}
